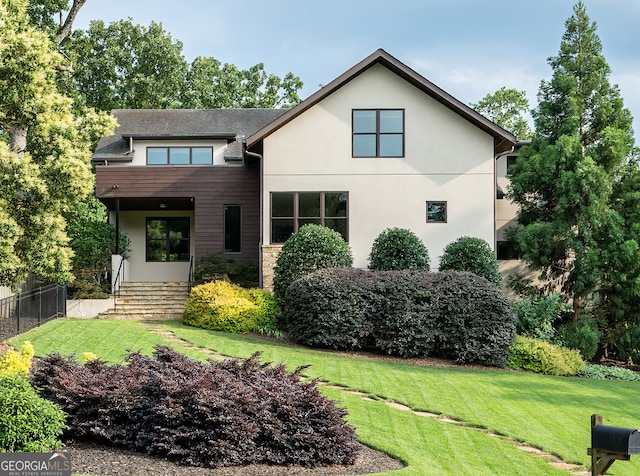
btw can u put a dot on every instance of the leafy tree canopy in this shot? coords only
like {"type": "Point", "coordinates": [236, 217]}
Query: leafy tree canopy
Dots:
{"type": "Point", "coordinates": [506, 107]}
{"type": "Point", "coordinates": [124, 65]}
{"type": "Point", "coordinates": [45, 166]}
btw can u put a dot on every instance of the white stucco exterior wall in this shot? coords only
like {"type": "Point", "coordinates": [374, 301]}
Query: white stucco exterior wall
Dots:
{"type": "Point", "coordinates": [446, 159]}
{"type": "Point", "coordinates": [138, 269]}
{"type": "Point", "coordinates": [506, 210]}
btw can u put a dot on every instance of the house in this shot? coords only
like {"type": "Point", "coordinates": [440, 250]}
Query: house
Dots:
{"type": "Point", "coordinates": [378, 147]}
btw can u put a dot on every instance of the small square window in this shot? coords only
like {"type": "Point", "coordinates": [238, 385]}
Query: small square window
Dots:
{"type": "Point", "coordinates": [436, 212]}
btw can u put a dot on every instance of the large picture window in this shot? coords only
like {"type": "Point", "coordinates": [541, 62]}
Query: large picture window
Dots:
{"type": "Point", "coordinates": [168, 239]}
{"type": "Point", "coordinates": [179, 155]}
{"type": "Point", "coordinates": [378, 132]}
{"type": "Point", "coordinates": [291, 210]}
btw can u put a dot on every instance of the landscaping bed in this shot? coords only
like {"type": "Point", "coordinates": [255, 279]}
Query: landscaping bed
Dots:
{"type": "Point", "coordinates": [103, 460]}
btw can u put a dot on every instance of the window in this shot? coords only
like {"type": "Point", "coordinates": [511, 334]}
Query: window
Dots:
{"type": "Point", "coordinates": [291, 210]}
{"type": "Point", "coordinates": [179, 155]}
{"type": "Point", "coordinates": [168, 239]}
{"type": "Point", "coordinates": [378, 132]}
{"type": "Point", "coordinates": [506, 250]}
{"type": "Point", "coordinates": [436, 212]}
{"type": "Point", "coordinates": [233, 228]}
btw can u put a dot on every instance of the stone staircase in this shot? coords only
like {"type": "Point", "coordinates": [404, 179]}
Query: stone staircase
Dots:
{"type": "Point", "coordinates": [149, 301]}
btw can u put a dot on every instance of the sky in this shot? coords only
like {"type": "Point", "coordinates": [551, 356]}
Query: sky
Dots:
{"type": "Point", "coordinates": [469, 48]}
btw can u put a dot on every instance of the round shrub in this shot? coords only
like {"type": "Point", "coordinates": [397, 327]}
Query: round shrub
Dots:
{"type": "Point", "coordinates": [331, 308]}
{"type": "Point", "coordinates": [28, 422]}
{"type": "Point", "coordinates": [471, 254]}
{"type": "Point", "coordinates": [313, 247]}
{"type": "Point", "coordinates": [397, 249]}
{"type": "Point", "coordinates": [542, 357]}
{"type": "Point", "coordinates": [227, 307]}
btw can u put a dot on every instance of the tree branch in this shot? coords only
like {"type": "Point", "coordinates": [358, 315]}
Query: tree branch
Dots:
{"type": "Point", "coordinates": [65, 28]}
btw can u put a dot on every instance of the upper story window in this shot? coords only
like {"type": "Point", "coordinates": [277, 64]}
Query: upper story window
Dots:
{"type": "Point", "coordinates": [378, 132]}
{"type": "Point", "coordinates": [179, 155]}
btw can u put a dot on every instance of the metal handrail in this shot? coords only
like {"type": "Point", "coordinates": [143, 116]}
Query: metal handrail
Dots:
{"type": "Point", "coordinates": [190, 278]}
{"type": "Point", "coordinates": [116, 283]}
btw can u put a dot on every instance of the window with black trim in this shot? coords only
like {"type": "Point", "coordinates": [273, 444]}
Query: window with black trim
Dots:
{"type": "Point", "coordinates": [233, 228]}
{"type": "Point", "coordinates": [292, 210]}
{"type": "Point", "coordinates": [511, 161]}
{"type": "Point", "coordinates": [378, 132]}
{"type": "Point", "coordinates": [168, 239]}
{"type": "Point", "coordinates": [179, 155]}
{"type": "Point", "coordinates": [436, 212]}
{"type": "Point", "coordinates": [507, 250]}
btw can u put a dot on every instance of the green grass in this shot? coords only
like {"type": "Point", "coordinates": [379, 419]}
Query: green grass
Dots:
{"type": "Point", "coordinates": [551, 413]}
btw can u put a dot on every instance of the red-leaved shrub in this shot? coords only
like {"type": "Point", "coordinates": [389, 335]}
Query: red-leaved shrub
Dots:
{"type": "Point", "coordinates": [211, 414]}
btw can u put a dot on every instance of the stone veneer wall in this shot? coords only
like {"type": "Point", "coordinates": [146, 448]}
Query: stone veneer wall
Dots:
{"type": "Point", "coordinates": [269, 256]}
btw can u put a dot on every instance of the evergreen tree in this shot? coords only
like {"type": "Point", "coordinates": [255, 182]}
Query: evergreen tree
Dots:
{"type": "Point", "coordinates": [563, 182]}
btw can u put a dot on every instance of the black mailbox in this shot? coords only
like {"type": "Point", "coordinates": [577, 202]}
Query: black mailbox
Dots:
{"type": "Point", "coordinates": [615, 439]}
{"type": "Point", "coordinates": [610, 444]}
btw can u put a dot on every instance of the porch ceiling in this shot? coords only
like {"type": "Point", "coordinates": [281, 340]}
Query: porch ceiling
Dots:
{"type": "Point", "coordinates": [148, 203]}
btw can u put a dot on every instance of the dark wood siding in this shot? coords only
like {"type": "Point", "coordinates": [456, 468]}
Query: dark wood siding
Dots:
{"type": "Point", "coordinates": [145, 187]}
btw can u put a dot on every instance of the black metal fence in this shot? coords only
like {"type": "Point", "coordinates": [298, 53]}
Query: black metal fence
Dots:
{"type": "Point", "coordinates": [24, 311]}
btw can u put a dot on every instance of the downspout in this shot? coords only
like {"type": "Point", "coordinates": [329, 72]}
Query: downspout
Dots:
{"type": "Point", "coordinates": [495, 208]}
{"type": "Point", "coordinates": [260, 161]}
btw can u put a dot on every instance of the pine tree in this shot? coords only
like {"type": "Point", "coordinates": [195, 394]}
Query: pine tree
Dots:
{"type": "Point", "coordinates": [563, 182]}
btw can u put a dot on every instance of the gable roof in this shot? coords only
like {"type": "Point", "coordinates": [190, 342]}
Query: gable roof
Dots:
{"type": "Point", "coordinates": [503, 140]}
{"type": "Point", "coordinates": [175, 124]}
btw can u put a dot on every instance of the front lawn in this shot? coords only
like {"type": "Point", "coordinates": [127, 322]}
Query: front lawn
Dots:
{"type": "Point", "coordinates": [551, 413]}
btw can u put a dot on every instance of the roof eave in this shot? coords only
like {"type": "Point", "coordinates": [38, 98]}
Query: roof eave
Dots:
{"type": "Point", "coordinates": [203, 136]}
{"type": "Point", "coordinates": [382, 57]}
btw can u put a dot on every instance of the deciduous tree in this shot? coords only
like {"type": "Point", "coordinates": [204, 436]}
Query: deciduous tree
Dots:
{"type": "Point", "coordinates": [45, 167]}
{"type": "Point", "coordinates": [124, 65]}
{"type": "Point", "coordinates": [507, 108]}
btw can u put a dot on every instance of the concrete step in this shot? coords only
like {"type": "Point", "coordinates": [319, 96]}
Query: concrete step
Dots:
{"type": "Point", "coordinates": [149, 301]}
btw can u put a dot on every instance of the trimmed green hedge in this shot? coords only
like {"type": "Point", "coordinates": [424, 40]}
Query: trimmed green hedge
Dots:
{"type": "Point", "coordinates": [406, 313]}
